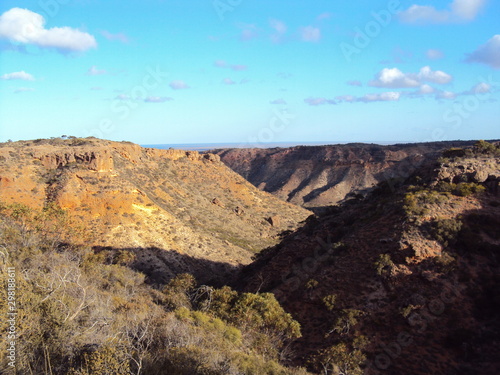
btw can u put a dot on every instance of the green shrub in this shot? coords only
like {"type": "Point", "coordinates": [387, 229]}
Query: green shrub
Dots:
{"type": "Point", "coordinates": [454, 152]}
{"type": "Point", "coordinates": [465, 189]}
{"type": "Point", "coordinates": [338, 359]}
{"type": "Point", "coordinates": [445, 231]}
{"type": "Point", "coordinates": [384, 264]}
{"type": "Point", "coordinates": [417, 203]}
{"type": "Point", "coordinates": [346, 319]}
{"type": "Point", "coordinates": [329, 301]}
{"type": "Point", "coordinates": [483, 147]}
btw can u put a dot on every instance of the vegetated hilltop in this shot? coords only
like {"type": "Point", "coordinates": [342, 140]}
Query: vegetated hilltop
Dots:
{"type": "Point", "coordinates": [315, 176]}
{"type": "Point", "coordinates": [404, 281]}
{"type": "Point", "coordinates": [177, 211]}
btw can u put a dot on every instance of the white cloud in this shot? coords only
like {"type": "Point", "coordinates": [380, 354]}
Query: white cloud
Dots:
{"type": "Point", "coordinates": [248, 32]}
{"type": "Point", "coordinates": [22, 75]}
{"type": "Point", "coordinates": [238, 67]}
{"type": "Point", "coordinates": [346, 98]}
{"type": "Point", "coordinates": [310, 34]}
{"type": "Point", "coordinates": [121, 37]}
{"type": "Point", "coordinates": [228, 81]}
{"type": "Point", "coordinates": [354, 83]}
{"type": "Point", "coordinates": [426, 89]}
{"type": "Point", "coordinates": [480, 88]}
{"type": "Point", "coordinates": [319, 101]}
{"type": "Point", "coordinates": [279, 26]}
{"type": "Point", "coordinates": [280, 29]}
{"type": "Point", "coordinates": [25, 26]}
{"type": "Point", "coordinates": [324, 16]}
{"type": "Point", "coordinates": [122, 97]}
{"type": "Point", "coordinates": [178, 85]}
{"type": "Point", "coordinates": [395, 78]}
{"type": "Point", "coordinates": [23, 89]}
{"type": "Point", "coordinates": [278, 101]}
{"type": "Point", "coordinates": [220, 63]}
{"type": "Point", "coordinates": [427, 75]}
{"type": "Point", "coordinates": [434, 54]}
{"type": "Point", "coordinates": [424, 14]}
{"type": "Point", "coordinates": [459, 11]}
{"type": "Point", "coordinates": [93, 71]}
{"type": "Point", "coordinates": [390, 96]}
{"type": "Point", "coordinates": [157, 99]}
{"type": "Point", "coordinates": [235, 67]}
{"type": "Point", "coordinates": [467, 9]}
{"type": "Point", "coordinates": [446, 95]}
{"type": "Point", "coordinates": [488, 53]}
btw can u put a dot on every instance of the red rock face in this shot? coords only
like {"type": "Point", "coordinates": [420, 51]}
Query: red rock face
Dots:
{"type": "Point", "coordinates": [99, 161]}
{"type": "Point", "coordinates": [126, 196]}
{"type": "Point", "coordinates": [313, 176]}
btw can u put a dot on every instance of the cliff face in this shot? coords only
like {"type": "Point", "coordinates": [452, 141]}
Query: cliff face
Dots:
{"type": "Point", "coordinates": [411, 271]}
{"type": "Point", "coordinates": [314, 176]}
{"type": "Point", "coordinates": [181, 211]}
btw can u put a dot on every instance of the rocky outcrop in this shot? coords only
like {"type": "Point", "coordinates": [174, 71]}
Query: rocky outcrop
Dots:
{"type": "Point", "coordinates": [476, 170]}
{"type": "Point", "coordinates": [99, 161]}
{"type": "Point", "coordinates": [314, 176]}
{"type": "Point", "coordinates": [126, 196]}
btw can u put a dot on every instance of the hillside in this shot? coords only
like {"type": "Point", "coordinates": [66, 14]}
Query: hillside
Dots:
{"type": "Point", "coordinates": [316, 176]}
{"type": "Point", "coordinates": [177, 211]}
{"type": "Point", "coordinates": [406, 278]}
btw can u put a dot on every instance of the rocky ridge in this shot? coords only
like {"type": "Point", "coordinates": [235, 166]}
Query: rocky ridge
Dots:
{"type": "Point", "coordinates": [406, 277]}
{"type": "Point", "coordinates": [157, 203]}
{"type": "Point", "coordinates": [316, 176]}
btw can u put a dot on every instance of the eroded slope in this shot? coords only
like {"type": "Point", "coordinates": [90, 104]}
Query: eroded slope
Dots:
{"type": "Point", "coordinates": [182, 210]}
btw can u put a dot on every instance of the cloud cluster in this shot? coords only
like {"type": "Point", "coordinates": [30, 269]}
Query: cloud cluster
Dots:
{"type": "Point", "coordinates": [178, 85]}
{"type": "Point", "coordinates": [355, 83]}
{"type": "Point", "coordinates": [459, 11]}
{"type": "Point", "coordinates": [395, 78]}
{"type": "Point", "coordinates": [319, 101]}
{"type": "Point", "coordinates": [93, 71]}
{"type": "Point", "coordinates": [488, 53]}
{"type": "Point", "coordinates": [310, 34]}
{"type": "Point", "coordinates": [24, 26]}
{"type": "Point", "coordinates": [235, 67]}
{"type": "Point", "coordinates": [278, 101]}
{"type": "Point", "coordinates": [157, 99]}
{"type": "Point", "coordinates": [228, 81]}
{"type": "Point", "coordinates": [120, 37]}
{"type": "Point", "coordinates": [389, 96]}
{"type": "Point", "coordinates": [279, 28]}
{"type": "Point", "coordinates": [22, 75]}
{"type": "Point", "coordinates": [23, 89]}
{"type": "Point", "coordinates": [434, 54]}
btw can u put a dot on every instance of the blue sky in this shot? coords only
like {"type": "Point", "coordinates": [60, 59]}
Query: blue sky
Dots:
{"type": "Point", "coordinates": [250, 71]}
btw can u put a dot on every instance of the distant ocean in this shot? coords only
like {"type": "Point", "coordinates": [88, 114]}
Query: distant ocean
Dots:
{"type": "Point", "coordinates": [201, 147]}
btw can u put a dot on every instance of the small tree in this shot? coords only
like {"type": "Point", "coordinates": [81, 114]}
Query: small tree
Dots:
{"type": "Point", "coordinates": [339, 360]}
